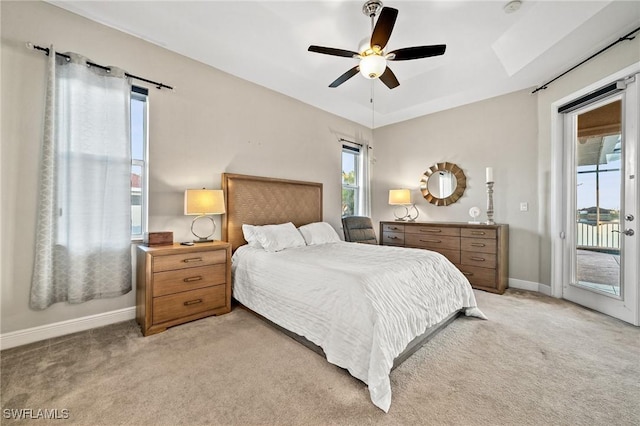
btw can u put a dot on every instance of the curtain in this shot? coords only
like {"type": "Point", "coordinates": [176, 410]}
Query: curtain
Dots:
{"type": "Point", "coordinates": [365, 180]}
{"type": "Point", "coordinates": [83, 238]}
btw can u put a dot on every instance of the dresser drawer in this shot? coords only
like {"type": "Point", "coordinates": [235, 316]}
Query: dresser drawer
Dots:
{"type": "Point", "coordinates": [478, 245]}
{"type": "Point", "coordinates": [452, 255]}
{"type": "Point", "coordinates": [188, 260]}
{"type": "Point", "coordinates": [434, 242]}
{"type": "Point", "coordinates": [179, 305]}
{"type": "Point", "coordinates": [393, 238]}
{"type": "Point", "coordinates": [483, 260]}
{"type": "Point", "coordinates": [433, 230]}
{"type": "Point", "coordinates": [178, 280]}
{"type": "Point", "coordinates": [481, 277]}
{"type": "Point", "coordinates": [478, 233]}
{"type": "Point", "coordinates": [393, 227]}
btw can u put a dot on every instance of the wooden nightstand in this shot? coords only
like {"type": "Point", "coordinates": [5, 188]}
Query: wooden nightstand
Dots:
{"type": "Point", "coordinates": [177, 284]}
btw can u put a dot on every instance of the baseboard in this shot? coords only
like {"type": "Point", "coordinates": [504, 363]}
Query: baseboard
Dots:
{"type": "Point", "coordinates": [43, 332]}
{"type": "Point", "coordinates": [530, 285]}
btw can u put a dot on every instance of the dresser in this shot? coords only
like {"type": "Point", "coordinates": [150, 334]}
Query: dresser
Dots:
{"type": "Point", "coordinates": [176, 284]}
{"type": "Point", "coordinates": [480, 252]}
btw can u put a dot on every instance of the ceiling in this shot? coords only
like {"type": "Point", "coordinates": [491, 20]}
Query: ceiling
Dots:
{"type": "Point", "coordinates": [489, 52]}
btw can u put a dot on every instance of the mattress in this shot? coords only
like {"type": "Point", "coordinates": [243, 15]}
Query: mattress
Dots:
{"type": "Point", "coordinates": [361, 303]}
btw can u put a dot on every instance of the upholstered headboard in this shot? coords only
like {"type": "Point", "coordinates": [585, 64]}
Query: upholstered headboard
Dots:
{"type": "Point", "coordinates": [258, 200]}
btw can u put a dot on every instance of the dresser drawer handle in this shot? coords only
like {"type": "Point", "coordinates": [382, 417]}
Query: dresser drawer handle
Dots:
{"type": "Point", "coordinates": [432, 231]}
{"type": "Point", "coordinates": [393, 228]}
{"type": "Point", "coordinates": [477, 245]}
{"type": "Point", "coordinates": [431, 241]}
{"type": "Point", "coordinates": [468, 274]}
{"type": "Point", "coordinates": [479, 259]}
{"type": "Point", "coordinates": [192, 279]}
{"type": "Point", "coordinates": [477, 232]}
{"type": "Point", "coordinates": [393, 238]}
{"type": "Point", "coordinates": [193, 259]}
{"type": "Point", "coordinates": [192, 302]}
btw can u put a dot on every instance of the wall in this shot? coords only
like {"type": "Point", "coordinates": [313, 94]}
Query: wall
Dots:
{"type": "Point", "coordinates": [212, 123]}
{"type": "Point", "coordinates": [501, 133]}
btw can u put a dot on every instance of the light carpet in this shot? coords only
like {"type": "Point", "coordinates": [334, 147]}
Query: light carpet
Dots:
{"type": "Point", "coordinates": [537, 360]}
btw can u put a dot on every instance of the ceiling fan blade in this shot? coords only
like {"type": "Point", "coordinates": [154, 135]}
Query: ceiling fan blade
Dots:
{"type": "Point", "coordinates": [389, 79]}
{"type": "Point", "coordinates": [384, 27]}
{"type": "Point", "coordinates": [416, 52]}
{"type": "Point", "coordinates": [332, 51]}
{"type": "Point", "coordinates": [344, 77]}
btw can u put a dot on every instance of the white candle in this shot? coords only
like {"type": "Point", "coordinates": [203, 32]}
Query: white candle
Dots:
{"type": "Point", "coordinates": [489, 174]}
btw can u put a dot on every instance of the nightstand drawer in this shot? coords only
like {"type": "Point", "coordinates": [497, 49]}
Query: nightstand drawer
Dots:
{"type": "Point", "coordinates": [479, 233]}
{"type": "Point", "coordinates": [178, 280]}
{"type": "Point", "coordinates": [478, 245]}
{"type": "Point", "coordinates": [435, 242]}
{"type": "Point", "coordinates": [188, 260]}
{"type": "Point", "coordinates": [483, 260]}
{"type": "Point", "coordinates": [393, 238]}
{"type": "Point", "coordinates": [179, 305]}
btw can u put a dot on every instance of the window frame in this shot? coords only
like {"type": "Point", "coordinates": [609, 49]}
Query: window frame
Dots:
{"type": "Point", "coordinates": [142, 94]}
{"type": "Point", "coordinates": [354, 150]}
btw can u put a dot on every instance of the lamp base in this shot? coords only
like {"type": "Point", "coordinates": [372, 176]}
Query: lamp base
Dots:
{"type": "Point", "coordinates": [203, 240]}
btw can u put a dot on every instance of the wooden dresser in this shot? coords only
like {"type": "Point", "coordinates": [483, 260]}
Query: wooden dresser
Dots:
{"type": "Point", "coordinates": [176, 284]}
{"type": "Point", "coordinates": [481, 252]}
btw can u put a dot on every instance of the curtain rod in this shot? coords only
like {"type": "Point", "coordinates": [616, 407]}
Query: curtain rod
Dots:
{"type": "Point", "coordinates": [155, 83]}
{"type": "Point", "coordinates": [623, 38]}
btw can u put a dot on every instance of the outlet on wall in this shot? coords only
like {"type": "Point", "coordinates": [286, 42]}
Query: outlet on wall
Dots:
{"type": "Point", "coordinates": [524, 207]}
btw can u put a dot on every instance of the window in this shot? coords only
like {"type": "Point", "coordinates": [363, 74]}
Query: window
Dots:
{"type": "Point", "coordinates": [139, 144]}
{"type": "Point", "coordinates": [351, 180]}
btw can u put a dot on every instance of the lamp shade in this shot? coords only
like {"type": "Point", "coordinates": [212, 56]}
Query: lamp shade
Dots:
{"type": "Point", "coordinates": [203, 201]}
{"type": "Point", "coordinates": [399, 197]}
{"type": "Point", "coordinates": [372, 66]}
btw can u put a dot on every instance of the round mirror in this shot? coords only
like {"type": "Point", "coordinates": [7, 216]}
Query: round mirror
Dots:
{"type": "Point", "coordinates": [443, 184]}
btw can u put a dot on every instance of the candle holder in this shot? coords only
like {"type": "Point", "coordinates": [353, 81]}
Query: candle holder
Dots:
{"type": "Point", "coordinates": [490, 204]}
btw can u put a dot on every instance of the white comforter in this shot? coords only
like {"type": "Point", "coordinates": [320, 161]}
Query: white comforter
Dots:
{"type": "Point", "coordinates": [361, 303]}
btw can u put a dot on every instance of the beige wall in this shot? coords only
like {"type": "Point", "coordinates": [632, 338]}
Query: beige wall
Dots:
{"type": "Point", "coordinates": [500, 132]}
{"type": "Point", "coordinates": [212, 123]}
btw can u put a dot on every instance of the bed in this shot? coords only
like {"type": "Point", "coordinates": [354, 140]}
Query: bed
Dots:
{"type": "Point", "coordinates": [365, 308]}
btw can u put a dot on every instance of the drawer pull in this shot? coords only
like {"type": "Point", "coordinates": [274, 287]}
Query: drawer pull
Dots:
{"type": "Point", "coordinates": [479, 259]}
{"type": "Point", "coordinates": [192, 279]}
{"type": "Point", "coordinates": [430, 241]}
{"type": "Point", "coordinates": [477, 232]}
{"type": "Point", "coordinates": [192, 302]}
{"type": "Point", "coordinates": [477, 245]}
{"type": "Point", "coordinates": [432, 231]}
{"type": "Point", "coordinates": [192, 259]}
{"type": "Point", "coordinates": [393, 238]}
{"type": "Point", "coordinates": [468, 274]}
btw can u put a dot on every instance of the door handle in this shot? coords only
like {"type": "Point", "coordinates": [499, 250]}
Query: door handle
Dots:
{"type": "Point", "coordinates": [629, 217]}
{"type": "Point", "coordinates": [627, 232]}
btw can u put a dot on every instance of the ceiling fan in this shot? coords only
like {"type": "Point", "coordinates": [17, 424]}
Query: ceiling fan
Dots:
{"type": "Point", "coordinates": [373, 58]}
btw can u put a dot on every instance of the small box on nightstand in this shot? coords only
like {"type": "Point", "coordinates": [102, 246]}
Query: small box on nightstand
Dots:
{"type": "Point", "coordinates": [157, 238]}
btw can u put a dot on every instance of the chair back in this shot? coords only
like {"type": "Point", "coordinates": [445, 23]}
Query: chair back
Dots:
{"type": "Point", "coordinates": [359, 229]}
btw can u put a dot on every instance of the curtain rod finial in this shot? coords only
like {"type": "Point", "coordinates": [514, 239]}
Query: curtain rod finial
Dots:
{"type": "Point", "coordinates": [29, 45]}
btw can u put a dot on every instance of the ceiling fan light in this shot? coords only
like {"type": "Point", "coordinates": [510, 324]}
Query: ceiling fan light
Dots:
{"type": "Point", "coordinates": [373, 66]}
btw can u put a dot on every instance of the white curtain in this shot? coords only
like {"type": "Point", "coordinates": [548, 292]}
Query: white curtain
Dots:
{"type": "Point", "coordinates": [365, 180]}
{"type": "Point", "coordinates": [83, 239]}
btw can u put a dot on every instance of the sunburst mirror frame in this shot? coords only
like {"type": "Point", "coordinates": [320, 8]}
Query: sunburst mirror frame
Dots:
{"type": "Point", "coordinates": [461, 183]}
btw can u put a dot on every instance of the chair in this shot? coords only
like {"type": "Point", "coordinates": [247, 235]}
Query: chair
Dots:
{"type": "Point", "coordinates": [358, 229]}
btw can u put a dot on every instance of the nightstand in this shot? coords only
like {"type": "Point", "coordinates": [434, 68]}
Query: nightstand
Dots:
{"type": "Point", "coordinates": [177, 284]}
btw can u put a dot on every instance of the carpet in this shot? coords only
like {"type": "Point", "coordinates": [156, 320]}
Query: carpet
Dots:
{"type": "Point", "coordinates": [537, 360]}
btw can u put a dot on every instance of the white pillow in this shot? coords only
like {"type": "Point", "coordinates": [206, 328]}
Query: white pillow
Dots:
{"type": "Point", "coordinates": [274, 237]}
{"type": "Point", "coordinates": [249, 232]}
{"type": "Point", "coordinates": [319, 233]}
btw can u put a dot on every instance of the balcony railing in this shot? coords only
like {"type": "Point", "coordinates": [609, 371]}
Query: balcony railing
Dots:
{"type": "Point", "coordinates": [600, 236]}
